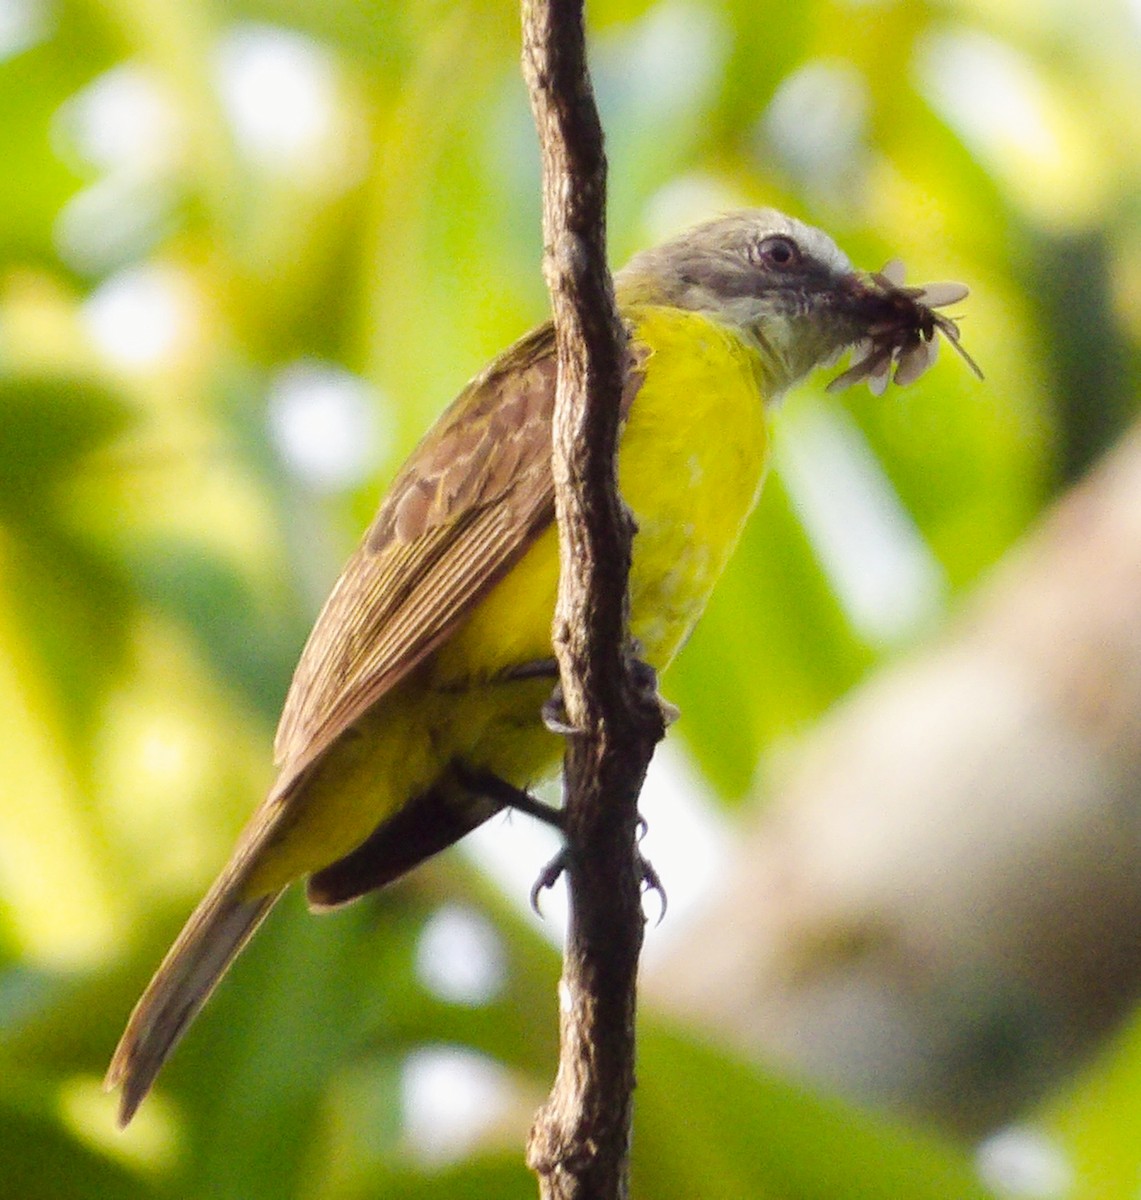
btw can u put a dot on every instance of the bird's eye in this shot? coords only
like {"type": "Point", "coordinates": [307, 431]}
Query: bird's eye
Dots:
{"type": "Point", "coordinates": [778, 251]}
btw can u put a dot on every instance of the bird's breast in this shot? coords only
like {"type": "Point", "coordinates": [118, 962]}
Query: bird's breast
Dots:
{"type": "Point", "coordinates": [691, 464]}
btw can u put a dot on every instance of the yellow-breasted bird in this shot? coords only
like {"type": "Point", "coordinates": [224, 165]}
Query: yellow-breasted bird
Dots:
{"type": "Point", "coordinates": [414, 713]}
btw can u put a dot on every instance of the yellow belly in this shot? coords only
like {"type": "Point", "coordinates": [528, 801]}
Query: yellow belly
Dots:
{"type": "Point", "coordinates": [691, 463]}
{"type": "Point", "coordinates": [690, 466]}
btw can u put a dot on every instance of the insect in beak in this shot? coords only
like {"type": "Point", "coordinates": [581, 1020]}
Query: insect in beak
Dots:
{"type": "Point", "coordinates": [904, 331]}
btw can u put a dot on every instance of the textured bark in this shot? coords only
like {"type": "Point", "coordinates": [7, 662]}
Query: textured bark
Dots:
{"type": "Point", "coordinates": [579, 1145]}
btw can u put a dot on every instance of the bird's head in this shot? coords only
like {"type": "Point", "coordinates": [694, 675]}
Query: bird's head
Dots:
{"type": "Point", "coordinates": [790, 289]}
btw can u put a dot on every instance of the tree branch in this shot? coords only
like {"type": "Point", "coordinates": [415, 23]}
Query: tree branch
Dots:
{"type": "Point", "coordinates": [579, 1144]}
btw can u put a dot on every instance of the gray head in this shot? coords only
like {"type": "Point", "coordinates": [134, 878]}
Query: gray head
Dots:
{"type": "Point", "coordinates": [785, 285]}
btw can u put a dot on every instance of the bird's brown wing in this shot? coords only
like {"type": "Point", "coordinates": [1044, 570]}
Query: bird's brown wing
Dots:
{"type": "Point", "coordinates": [467, 504]}
{"type": "Point", "coordinates": [472, 498]}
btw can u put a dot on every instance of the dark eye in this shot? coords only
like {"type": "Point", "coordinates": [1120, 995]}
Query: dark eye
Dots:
{"type": "Point", "coordinates": [778, 251]}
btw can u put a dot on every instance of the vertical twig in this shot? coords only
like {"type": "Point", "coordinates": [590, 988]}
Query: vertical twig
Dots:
{"type": "Point", "coordinates": [579, 1145]}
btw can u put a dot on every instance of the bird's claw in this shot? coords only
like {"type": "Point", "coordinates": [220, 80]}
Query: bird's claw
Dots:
{"type": "Point", "coordinates": [652, 882]}
{"type": "Point", "coordinates": [554, 714]}
{"type": "Point", "coordinates": [650, 879]}
{"type": "Point", "coordinates": [548, 877]}
{"type": "Point", "coordinates": [646, 677]}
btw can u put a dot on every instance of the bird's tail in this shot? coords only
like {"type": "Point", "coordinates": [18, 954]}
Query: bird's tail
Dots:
{"type": "Point", "coordinates": [210, 940]}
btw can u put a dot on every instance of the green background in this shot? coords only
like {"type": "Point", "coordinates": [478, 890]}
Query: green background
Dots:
{"type": "Point", "coordinates": [160, 562]}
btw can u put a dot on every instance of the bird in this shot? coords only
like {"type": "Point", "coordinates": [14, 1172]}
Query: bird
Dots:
{"type": "Point", "coordinates": [414, 713]}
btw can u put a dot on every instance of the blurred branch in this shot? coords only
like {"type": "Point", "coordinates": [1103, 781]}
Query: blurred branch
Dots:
{"type": "Point", "coordinates": [579, 1145]}
{"type": "Point", "coordinates": [941, 911]}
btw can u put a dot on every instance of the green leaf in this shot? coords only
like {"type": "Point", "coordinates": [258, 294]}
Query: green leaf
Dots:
{"type": "Point", "coordinates": [47, 424]}
{"type": "Point", "coordinates": [710, 1125]}
{"type": "Point", "coordinates": [39, 1160]}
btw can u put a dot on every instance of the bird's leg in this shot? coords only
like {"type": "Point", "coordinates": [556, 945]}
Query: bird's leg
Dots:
{"type": "Point", "coordinates": [487, 783]}
{"type": "Point", "coordinates": [555, 719]}
{"type": "Point", "coordinates": [537, 668]}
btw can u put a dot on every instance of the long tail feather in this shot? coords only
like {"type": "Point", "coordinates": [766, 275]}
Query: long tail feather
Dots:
{"type": "Point", "coordinates": [210, 940]}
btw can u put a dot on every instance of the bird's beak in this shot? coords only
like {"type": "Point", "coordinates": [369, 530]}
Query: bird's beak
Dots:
{"type": "Point", "coordinates": [897, 325]}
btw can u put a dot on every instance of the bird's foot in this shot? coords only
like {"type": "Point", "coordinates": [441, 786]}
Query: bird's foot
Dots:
{"type": "Point", "coordinates": [652, 882]}
{"type": "Point", "coordinates": [548, 877]}
{"type": "Point", "coordinates": [650, 879]}
{"type": "Point", "coordinates": [646, 677]}
{"type": "Point", "coordinates": [536, 668]}
{"type": "Point", "coordinates": [555, 714]}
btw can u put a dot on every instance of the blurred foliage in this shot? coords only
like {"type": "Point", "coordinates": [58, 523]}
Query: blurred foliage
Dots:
{"type": "Point", "coordinates": [222, 224]}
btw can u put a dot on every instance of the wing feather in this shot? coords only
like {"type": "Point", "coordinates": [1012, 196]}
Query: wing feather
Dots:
{"type": "Point", "coordinates": [468, 503]}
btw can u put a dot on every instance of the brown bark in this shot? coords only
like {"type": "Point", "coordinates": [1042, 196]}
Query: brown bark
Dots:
{"type": "Point", "coordinates": [579, 1145]}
